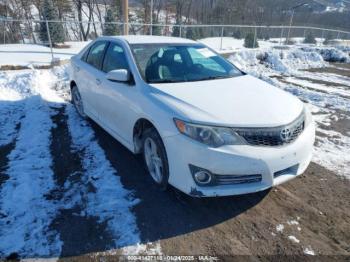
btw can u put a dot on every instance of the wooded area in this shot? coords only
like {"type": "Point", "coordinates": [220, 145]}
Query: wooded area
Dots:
{"type": "Point", "coordinates": [94, 17]}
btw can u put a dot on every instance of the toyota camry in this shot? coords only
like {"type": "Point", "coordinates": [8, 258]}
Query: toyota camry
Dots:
{"type": "Point", "coordinates": [201, 124]}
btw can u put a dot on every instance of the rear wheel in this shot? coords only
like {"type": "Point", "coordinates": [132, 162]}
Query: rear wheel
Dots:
{"type": "Point", "coordinates": [77, 101]}
{"type": "Point", "coordinates": [155, 157]}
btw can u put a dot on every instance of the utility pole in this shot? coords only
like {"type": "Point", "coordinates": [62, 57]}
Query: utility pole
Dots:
{"type": "Point", "coordinates": [291, 19]}
{"type": "Point", "coordinates": [290, 26]}
{"type": "Point", "coordinates": [126, 16]}
{"type": "Point", "coordinates": [151, 29]}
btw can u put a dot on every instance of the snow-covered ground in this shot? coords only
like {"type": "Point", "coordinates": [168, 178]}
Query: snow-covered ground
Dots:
{"type": "Point", "coordinates": [37, 55]}
{"type": "Point", "coordinates": [29, 99]}
{"type": "Point", "coordinates": [230, 44]}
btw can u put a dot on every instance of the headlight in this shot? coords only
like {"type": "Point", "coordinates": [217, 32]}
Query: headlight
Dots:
{"type": "Point", "coordinates": [308, 116]}
{"type": "Point", "coordinates": [209, 135]}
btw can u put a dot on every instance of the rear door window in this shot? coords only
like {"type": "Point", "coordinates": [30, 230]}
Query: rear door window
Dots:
{"type": "Point", "coordinates": [96, 53]}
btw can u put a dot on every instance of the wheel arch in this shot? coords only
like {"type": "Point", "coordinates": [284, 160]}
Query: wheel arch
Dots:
{"type": "Point", "coordinates": [139, 127]}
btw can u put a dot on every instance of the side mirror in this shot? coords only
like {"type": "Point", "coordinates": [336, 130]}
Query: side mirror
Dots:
{"type": "Point", "coordinates": [119, 75]}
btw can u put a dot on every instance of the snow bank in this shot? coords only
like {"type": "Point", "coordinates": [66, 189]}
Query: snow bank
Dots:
{"type": "Point", "coordinates": [284, 61]}
{"type": "Point", "coordinates": [38, 55]}
{"type": "Point", "coordinates": [29, 170]}
{"type": "Point", "coordinates": [334, 55]}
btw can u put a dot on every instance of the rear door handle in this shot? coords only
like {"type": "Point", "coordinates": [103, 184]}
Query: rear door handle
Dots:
{"type": "Point", "coordinates": [98, 81]}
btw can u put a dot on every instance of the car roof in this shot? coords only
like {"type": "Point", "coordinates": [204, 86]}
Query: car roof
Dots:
{"type": "Point", "coordinates": [149, 39]}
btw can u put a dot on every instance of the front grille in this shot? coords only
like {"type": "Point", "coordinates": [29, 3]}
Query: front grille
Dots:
{"type": "Point", "coordinates": [237, 179]}
{"type": "Point", "coordinates": [275, 136]}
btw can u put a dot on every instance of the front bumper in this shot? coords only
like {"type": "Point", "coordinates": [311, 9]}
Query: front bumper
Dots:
{"type": "Point", "coordinates": [237, 160]}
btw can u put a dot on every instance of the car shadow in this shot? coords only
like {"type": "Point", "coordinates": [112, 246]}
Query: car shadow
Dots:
{"type": "Point", "coordinates": [166, 214]}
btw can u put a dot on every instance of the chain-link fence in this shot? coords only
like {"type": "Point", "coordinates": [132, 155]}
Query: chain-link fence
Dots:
{"type": "Point", "coordinates": [57, 34]}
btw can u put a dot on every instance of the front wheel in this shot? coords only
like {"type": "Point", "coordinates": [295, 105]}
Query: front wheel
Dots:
{"type": "Point", "coordinates": [77, 101]}
{"type": "Point", "coordinates": [155, 158]}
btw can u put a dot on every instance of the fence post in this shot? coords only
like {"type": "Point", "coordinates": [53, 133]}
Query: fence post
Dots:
{"type": "Point", "coordinates": [254, 37]}
{"type": "Point", "coordinates": [282, 31]}
{"type": "Point", "coordinates": [4, 32]}
{"type": "Point", "coordinates": [49, 38]}
{"type": "Point", "coordinates": [180, 30]}
{"type": "Point", "coordinates": [222, 35]}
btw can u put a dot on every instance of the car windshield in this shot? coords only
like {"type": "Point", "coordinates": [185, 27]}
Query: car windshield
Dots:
{"type": "Point", "coordinates": [169, 63]}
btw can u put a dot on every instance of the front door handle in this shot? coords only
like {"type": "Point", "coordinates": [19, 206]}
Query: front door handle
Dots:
{"type": "Point", "coordinates": [98, 81]}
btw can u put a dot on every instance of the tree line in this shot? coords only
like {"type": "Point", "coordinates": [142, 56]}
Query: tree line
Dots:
{"type": "Point", "coordinates": [95, 17]}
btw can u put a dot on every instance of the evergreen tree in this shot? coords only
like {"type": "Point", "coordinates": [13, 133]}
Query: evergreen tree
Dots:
{"type": "Point", "coordinates": [250, 41]}
{"type": "Point", "coordinates": [191, 33]}
{"type": "Point", "coordinates": [110, 29]}
{"type": "Point", "coordinates": [267, 36]}
{"type": "Point", "coordinates": [199, 32]}
{"type": "Point", "coordinates": [176, 31]}
{"type": "Point", "coordinates": [56, 29]}
{"type": "Point", "coordinates": [237, 34]}
{"type": "Point", "coordinates": [310, 39]}
{"type": "Point", "coordinates": [156, 30]}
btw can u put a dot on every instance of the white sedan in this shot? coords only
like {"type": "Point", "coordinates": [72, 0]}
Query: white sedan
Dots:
{"type": "Point", "coordinates": [202, 125]}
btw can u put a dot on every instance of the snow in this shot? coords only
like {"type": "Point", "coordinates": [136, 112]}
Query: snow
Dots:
{"type": "Point", "coordinates": [293, 239]}
{"type": "Point", "coordinates": [30, 179]}
{"type": "Point", "coordinates": [26, 213]}
{"type": "Point", "coordinates": [280, 228]}
{"type": "Point", "coordinates": [30, 54]}
{"type": "Point", "coordinates": [292, 222]}
{"type": "Point", "coordinates": [309, 251]}
{"type": "Point", "coordinates": [110, 201]}
{"type": "Point", "coordinates": [230, 44]}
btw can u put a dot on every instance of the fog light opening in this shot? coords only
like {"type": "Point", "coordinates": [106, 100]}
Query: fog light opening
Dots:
{"type": "Point", "coordinates": [202, 177]}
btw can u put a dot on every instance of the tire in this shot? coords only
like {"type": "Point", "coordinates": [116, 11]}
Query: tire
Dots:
{"type": "Point", "coordinates": [77, 101]}
{"type": "Point", "coordinates": [155, 159]}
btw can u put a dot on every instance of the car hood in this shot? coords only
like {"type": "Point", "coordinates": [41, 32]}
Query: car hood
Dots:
{"type": "Point", "coordinates": [243, 101]}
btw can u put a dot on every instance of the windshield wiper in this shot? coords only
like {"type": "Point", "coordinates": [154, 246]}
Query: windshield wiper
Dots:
{"type": "Point", "coordinates": [161, 81]}
{"type": "Point", "coordinates": [209, 78]}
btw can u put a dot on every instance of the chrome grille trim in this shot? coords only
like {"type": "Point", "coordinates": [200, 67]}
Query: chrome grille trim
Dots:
{"type": "Point", "coordinates": [272, 136]}
{"type": "Point", "coordinates": [237, 179]}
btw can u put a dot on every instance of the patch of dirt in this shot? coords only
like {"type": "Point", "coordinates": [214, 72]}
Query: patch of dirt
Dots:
{"type": "Point", "coordinates": [79, 232]}
{"type": "Point", "coordinates": [19, 67]}
{"type": "Point", "coordinates": [65, 162]}
{"type": "Point", "coordinates": [241, 224]}
{"type": "Point", "coordinates": [321, 82]}
{"type": "Point", "coordinates": [333, 70]}
{"type": "Point", "coordinates": [5, 151]}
